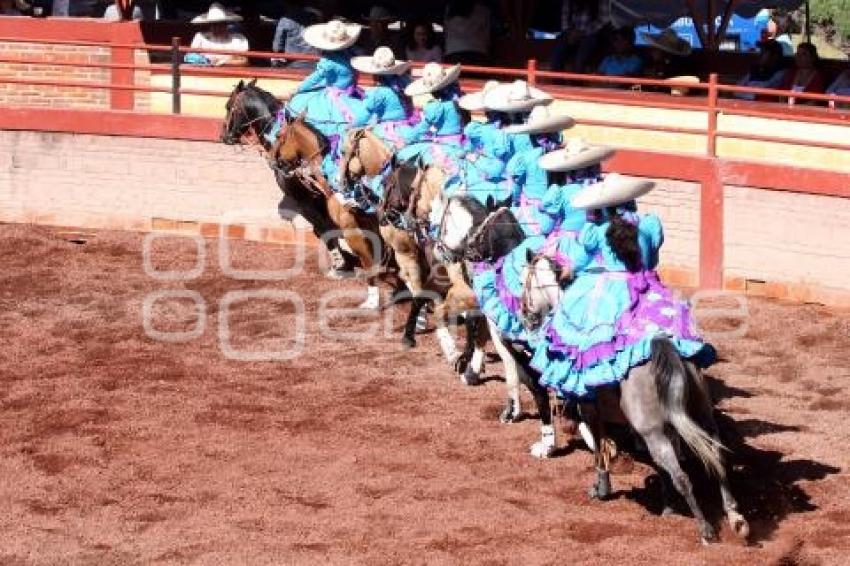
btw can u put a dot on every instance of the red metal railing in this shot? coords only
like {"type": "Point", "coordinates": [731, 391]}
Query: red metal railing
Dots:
{"type": "Point", "coordinates": [706, 169]}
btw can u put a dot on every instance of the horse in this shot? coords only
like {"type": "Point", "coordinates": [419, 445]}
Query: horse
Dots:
{"type": "Point", "coordinates": [252, 118]}
{"type": "Point", "coordinates": [665, 395]}
{"type": "Point", "coordinates": [403, 213]}
{"type": "Point", "coordinates": [474, 232]}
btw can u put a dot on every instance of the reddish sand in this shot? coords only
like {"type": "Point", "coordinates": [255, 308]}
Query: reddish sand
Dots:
{"type": "Point", "coordinates": [116, 448]}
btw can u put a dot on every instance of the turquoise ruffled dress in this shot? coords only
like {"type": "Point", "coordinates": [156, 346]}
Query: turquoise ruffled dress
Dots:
{"type": "Point", "coordinates": [608, 316]}
{"type": "Point", "coordinates": [529, 183]}
{"type": "Point", "coordinates": [438, 137]}
{"type": "Point", "coordinates": [329, 101]}
{"type": "Point", "coordinates": [391, 113]}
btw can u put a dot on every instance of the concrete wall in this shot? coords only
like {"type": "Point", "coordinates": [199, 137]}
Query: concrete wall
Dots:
{"type": "Point", "coordinates": [780, 244]}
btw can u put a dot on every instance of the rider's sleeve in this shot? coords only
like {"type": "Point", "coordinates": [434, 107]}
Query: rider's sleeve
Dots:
{"type": "Point", "coordinates": [515, 172]}
{"type": "Point", "coordinates": [490, 167]}
{"type": "Point", "coordinates": [372, 101]}
{"type": "Point", "coordinates": [430, 116]}
{"type": "Point", "coordinates": [652, 233]}
{"type": "Point", "coordinates": [317, 78]}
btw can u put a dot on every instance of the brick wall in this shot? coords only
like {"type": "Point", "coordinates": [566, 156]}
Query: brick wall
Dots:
{"type": "Point", "coordinates": [779, 244]}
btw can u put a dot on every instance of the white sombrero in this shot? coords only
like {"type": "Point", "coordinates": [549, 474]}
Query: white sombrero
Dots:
{"type": "Point", "coordinates": [681, 90]}
{"type": "Point", "coordinates": [332, 36]}
{"type": "Point", "coordinates": [613, 190]}
{"type": "Point", "coordinates": [434, 77]}
{"type": "Point", "coordinates": [515, 97]}
{"type": "Point", "coordinates": [474, 101]}
{"type": "Point", "coordinates": [540, 121]}
{"type": "Point", "coordinates": [216, 15]}
{"type": "Point", "coordinates": [382, 62]}
{"type": "Point", "coordinates": [669, 42]}
{"type": "Point", "coordinates": [576, 154]}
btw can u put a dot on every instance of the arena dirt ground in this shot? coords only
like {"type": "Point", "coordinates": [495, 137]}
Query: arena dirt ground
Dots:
{"type": "Point", "coordinates": [117, 448]}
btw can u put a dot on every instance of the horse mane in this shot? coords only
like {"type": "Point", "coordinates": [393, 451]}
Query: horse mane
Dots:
{"type": "Point", "coordinates": [265, 97]}
{"type": "Point", "coordinates": [322, 140]}
{"type": "Point", "coordinates": [478, 211]}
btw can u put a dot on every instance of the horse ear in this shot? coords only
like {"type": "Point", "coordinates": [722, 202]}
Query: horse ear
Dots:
{"type": "Point", "coordinates": [253, 82]}
{"type": "Point", "coordinates": [529, 256]}
{"type": "Point", "coordinates": [491, 203]}
{"type": "Point", "coordinates": [241, 85]}
{"type": "Point", "coordinates": [505, 203]}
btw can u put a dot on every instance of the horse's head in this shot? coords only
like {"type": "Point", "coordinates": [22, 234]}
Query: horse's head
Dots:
{"type": "Point", "coordinates": [467, 227]}
{"type": "Point", "coordinates": [541, 285]}
{"type": "Point", "coordinates": [300, 142]}
{"type": "Point", "coordinates": [250, 111]}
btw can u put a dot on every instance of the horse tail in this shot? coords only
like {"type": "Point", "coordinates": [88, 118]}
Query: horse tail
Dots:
{"type": "Point", "coordinates": [673, 382]}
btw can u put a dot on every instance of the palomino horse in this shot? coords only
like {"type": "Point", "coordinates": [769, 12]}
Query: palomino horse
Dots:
{"type": "Point", "coordinates": [473, 232]}
{"type": "Point", "coordinates": [665, 395]}
{"type": "Point", "coordinates": [299, 151]}
{"type": "Point", "coordinates": [252, 117]}
{"type": "Point", "coordinates": [403, 212]}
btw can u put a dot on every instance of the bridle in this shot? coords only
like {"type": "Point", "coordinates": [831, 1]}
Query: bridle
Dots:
{"type": "Point", "coordinates": [247, 136]}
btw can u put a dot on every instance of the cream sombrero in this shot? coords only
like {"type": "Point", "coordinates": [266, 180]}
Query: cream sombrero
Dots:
{"type": "Point", "coordinates": [575, 155]}
{"type": "Point", "coordinates": [216, 15]}
{"type": "Point", "coordinates": [669, 42]}
{"type": "Point", "coordinates": [382, 62]}
{"type": "Point", "coordinates": [515, 97]}
{"type": "Point", "coordinates": [332, 36]}
{"type": "Point", "coordinates": [474, 101]}
{"type": "Point", "coordinates": [613, 190]}
{"type": "Point", "coordinates": [434, 77]}
{"type": "Point", "coordinates": [540, 121]}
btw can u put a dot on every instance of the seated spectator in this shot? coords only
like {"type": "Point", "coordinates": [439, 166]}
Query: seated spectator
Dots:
{"type": "Point", "coordinates": [8, 8]}
{"type": "Point", "coordinates": [666, 52]}
{"type": "Point", "coordinates": [467, 32]}
{"type": "Point", "coordinates": [768, 72]}
{"type": "Point", "coordinates": [805, 76]}
{"type": "Point", "coordinates": [582, 22]}
{"type": "Point", "coordinates": [378, 34]}
{"type": "Point", "coordinates": [289, 35]}
{"type": "Point", "coordinates": [623, 61]}
{"type": "Point", "coordinates": [422, 44]}
{"type": "Point", "coordinates": [113, 13]}
{"type": "Point", "coordinates": [779, 30]}
{"type": "Point", "coordinates": [217, 36]}
{"type": "Point", "coordinates": [841, 84]}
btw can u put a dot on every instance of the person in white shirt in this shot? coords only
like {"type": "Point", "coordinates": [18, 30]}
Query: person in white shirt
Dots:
{"type": "Point", "coordinates": [218, 36]}
{"type": "Point", "coordinates": [113, 13]}
{"type": "Point", "coordinates": [466, 28]}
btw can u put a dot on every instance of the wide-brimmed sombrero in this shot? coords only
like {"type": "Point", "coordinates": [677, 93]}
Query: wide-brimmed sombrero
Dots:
{"type": "Point", "coordinates": [382, 62]}
{"type": "Point", "coordinates": [540, 121]}
{"type": "Point", "coordinates": [434, 77]}
{"type": "Point", "coordinates": [576, 154]}
{"type": "Point", "coordinates": [613, 190]}
{"type": "Point", "coordinates": [332, 36]}
{"type": "Point", "coordinates": [668, 42]}
{"type": "Point", "coordinates": [515, 97]}
{"type": "Point", "coordinates": [216, 15]}
{"type": "Point", "coordinates": [474, 101]}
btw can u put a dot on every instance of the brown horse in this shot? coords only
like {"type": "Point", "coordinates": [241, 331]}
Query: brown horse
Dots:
{"type": "Point", "coordinates": [299, 152]}
{"type": "Point", "coordinates": [403, 212]}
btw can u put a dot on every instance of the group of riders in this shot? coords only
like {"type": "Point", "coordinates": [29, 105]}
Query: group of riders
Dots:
{"type": "Point", "coordinates": [531, 215]}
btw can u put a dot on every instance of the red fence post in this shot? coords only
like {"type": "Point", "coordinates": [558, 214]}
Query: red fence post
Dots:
{"type": "Point", "coordinates": [711, 134]}
{"type": "Point", "coordinates": [532, 71]}
{"type": "Point", "coordinates": [711, 204]}
{"type": "Point", "coordinates": [122, 32]}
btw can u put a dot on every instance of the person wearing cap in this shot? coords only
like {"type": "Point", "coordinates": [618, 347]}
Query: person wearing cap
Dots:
{"type": "Point", "coordinates": [328, 97]}
{"type": "Point", "coordinates": [615, 304]}
{"type": "Point", "coordinates": [437, 137]}
{"type": "Point", "coordinates": [377, 21]}
{"type": "Point", "coordinates": [666, 52]}
{"type": "Point", "coordinates": [390, 109]}
{"type": "Point", "coordinates": [529, 181]}
{"type": "Point", "coordinates": [217, 36]}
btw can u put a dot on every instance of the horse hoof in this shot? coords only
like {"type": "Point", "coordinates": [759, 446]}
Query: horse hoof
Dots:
{"type": "Point", "coordinates": [461, 364]}
{"type": "Point", "coordinates": [667, 511]}
{"type": "Point", "coordinates": [738, 524]}
{"type": "Point", "coordinates": [542, 450]}
{"type": "Point", "coordinates": [408, 342]}
{"type": "Point", "coordinates": [508, 415]}
{"type": "Point", "coordinates": [470, 377]}
{"type": "Point", "coordinates": [601, 490]}
{"type": "Point", "coordinates": [707, 534]}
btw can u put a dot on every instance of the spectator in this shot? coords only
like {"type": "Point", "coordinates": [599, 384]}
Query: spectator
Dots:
{"type": "Point", "coordinates": [841, 84]}
{"type": "Point", "coordinates": [8, 8]}
{"type": "Point", "coordinates": [768, 72]}
{"type": "Point", "coordinates": [623, 61]}
{"type": "Point", "coordinates": [805, 77]}
{"type": "Point", "coordinates": [217, 36]}
{"type": "Point", "coordinates": [421, 44]}
{"type": "Point", "coordinates": [113, 13]}
{"type": "Point", "coordinates": [289, 35]}
{"type": "Point", "coordinates": [779, 30]}
{"type": "Point", "coordinates": [467, 32]}
{"type": "Point", "coordinates": [666, 52]}
{"type": "Point", "coordinates": [582, 22]}
{"type": "Point", "coordinates": [379, 35]}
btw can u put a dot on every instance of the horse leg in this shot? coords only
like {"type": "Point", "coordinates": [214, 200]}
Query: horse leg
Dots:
{"type": "Point", "coordinates": [513, 407]}
{"type": "Point", "coordinates": [705, 409]}
{"type": "Point", "coordinates": [594, 436]}
{"type": "Point", "coordinates": [643, 408]}
{"type": "Point", "coordinates": [416, 306]}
